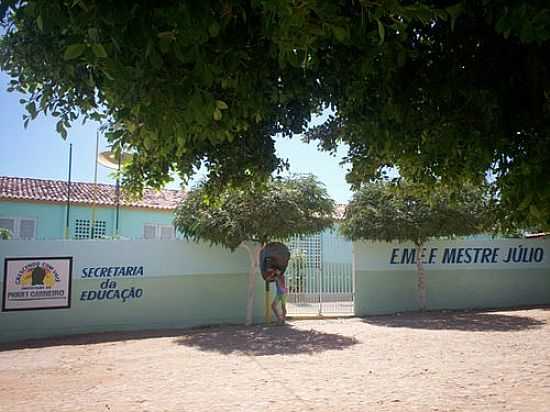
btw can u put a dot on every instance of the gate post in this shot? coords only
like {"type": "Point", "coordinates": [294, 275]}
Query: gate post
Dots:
{"type": "Point", "coordinates": [267, 303]}
{"type": "Point", "coordinates": [320, 288]}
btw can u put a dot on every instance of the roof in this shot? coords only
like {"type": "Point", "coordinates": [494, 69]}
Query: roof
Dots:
{"type": "Point", "coordinates": [55, 191]}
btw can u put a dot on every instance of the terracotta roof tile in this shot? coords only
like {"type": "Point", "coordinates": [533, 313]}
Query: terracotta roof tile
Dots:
{"type": "Point", "coordinates": [20, 188]}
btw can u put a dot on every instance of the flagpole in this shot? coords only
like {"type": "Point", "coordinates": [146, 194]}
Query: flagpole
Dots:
{"type": "Point", "coordinates": [118, 193]}
{"type": "Point", "coordinates": [69, 192]}
{"type": "Point", "coordinates": [95, 185]}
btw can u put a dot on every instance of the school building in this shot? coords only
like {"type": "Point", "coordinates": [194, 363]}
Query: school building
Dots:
{"type": "Point", "coordinates": [37, 209]}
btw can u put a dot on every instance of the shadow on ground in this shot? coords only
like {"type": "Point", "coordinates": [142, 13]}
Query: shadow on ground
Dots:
{"type": "Point", "coordinates": [463, 321]}
{"type": "Point", "coordinates": [92, 338]}
{"type": "Point", "coordinates": [256, 340]}
{"type": "Point", "coordinates": [266, 340]}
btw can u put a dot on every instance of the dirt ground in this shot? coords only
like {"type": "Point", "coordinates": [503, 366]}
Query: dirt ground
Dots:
{"type": "Point", "coordinates": [460, 361]}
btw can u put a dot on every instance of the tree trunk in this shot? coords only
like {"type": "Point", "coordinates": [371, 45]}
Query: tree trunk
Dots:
{"type": "Point", "coordinates": [254, 255]}
{"type": "Point", "coordinates": [421, 279]}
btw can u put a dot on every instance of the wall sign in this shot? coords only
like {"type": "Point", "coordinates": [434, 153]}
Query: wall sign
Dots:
{"type": "Point", "coordinates": [33, 283]}
{"type": "Point", "coordinates": [468, 255]}
{"type": "Point", "coordinates": [465, 254]}
{"type": "Point", "coordinates": [107, 289]}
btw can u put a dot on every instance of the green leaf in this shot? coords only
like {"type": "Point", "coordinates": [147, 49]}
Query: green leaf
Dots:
{"type": "Point", "coordinates": [381, 31]}
{"type": "Point", "coordinates": [533, 210]}
{"type": "Point", "coordinates": [31, 108]}
{"type": "Point", "coordinates": [73, 51]}
{"type": "Point", "coordinates": [28, 10]}
{"type": "Point", "coordinates": [170, 35]}
{"type": "Point", "coordinates": [217, 114]}
{"type": "Point", "coordinates": [214, 29]}
{"type": "Point", "coordinates": [179, 54]}
{"type": "Point", "coordinates": [340, 33]}
{"type": "Point", "coordinates": [108, 75]}
{"type": "Point", "coordinates": [220, 104]}
{"type": "Point", "coordinates": [164, 45]}
{"type": "Point", "coordinates": [93, 34]}
{"type": "Point", "coordinates": [40, 23]}
{"type": "Point", "coordinates": [455, 11]}
{"type": "Point", "coordinates": [99, 50]}
{"type": "Point", "coordinates": [81, 4]}
{"type": "Point", "coordinates": [155, 59]}
{"type": "Point", "coordinates": [60, 127]}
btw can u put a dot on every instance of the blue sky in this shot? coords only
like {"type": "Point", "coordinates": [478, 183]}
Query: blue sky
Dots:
{"type": "Point", "coordinates": [40, 152]}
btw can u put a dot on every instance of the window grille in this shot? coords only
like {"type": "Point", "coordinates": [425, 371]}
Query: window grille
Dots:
{"type": "Point", "coordinates": [82, 229]}
{"type": "Point", "coordinates": [100, 229]}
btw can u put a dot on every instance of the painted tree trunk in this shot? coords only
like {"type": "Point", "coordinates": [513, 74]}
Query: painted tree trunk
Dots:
{"type": "Point", "coordinates": [421, 279]}
{"type": "Point", "coordinates": [254, 254]}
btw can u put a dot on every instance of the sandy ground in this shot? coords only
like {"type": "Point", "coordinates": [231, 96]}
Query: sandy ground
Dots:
{"type": "Point", "coordinates": [489, 361]}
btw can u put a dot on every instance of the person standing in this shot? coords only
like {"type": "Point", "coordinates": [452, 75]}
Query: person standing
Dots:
{"type": "Point", "coordinates": [281, 292]}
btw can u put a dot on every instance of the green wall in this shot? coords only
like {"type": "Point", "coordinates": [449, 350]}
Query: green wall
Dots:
{"type": "Point", "coordinates": [167, 302]}
{"type": "Point", "coordinates": [188, 284]}
{"type": "Point", "coordinates": [132, 221]}
{"type": "Point", "coordinates": [390, 292]}
{"type": "Point", "coordinates": [379, 293]}
{"type": "Point", "coordinates": [184, 284]}
{"type": "Point", "coordinates": [51, 218]}
{"type": "Point", "coordinates": [382, 287]}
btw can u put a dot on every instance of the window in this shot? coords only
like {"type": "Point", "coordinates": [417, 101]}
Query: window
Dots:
{"type": "Point", "coordinates": [82, 229]}
{"type": "Point", "coordinates": [23, 228]}
{"type": "Point", "coordinates": [158, 231]}
{"type": "Point", "coordinates": [149, 231]}
{"type": "Point", "coordinates": [8, 224]}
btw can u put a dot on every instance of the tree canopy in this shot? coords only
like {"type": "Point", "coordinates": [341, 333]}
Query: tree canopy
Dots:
{"type": "Point", "coordinates": [448, 90]}
{"type": "Point", "coordinates": [260, 212]}
{"type": "Point", "coordinates": [409, 212]}
{"type": "Point", "coordinates": [457, 99]}
{"type": "Point", "coordinates": [257, 212]}
{"type": "Point", "coordinates": [416, 213]}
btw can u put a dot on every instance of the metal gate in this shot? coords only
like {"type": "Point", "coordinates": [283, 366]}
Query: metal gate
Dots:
{"type": "Point", "coordinates": [316, 287]}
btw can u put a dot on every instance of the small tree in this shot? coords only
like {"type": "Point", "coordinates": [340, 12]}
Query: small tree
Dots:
{"type": "Point", "coordinates": [5, 234]}
{"type": "Point", "coordinates": [276, 209]}
{"type": "Point", "coordinates": [405, 212]}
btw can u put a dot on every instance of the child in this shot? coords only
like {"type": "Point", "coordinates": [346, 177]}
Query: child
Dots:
{"type": "Point", "coordinates": [280, 296]}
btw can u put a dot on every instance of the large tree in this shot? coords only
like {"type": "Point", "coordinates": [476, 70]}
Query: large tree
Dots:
{"type": "Point", "coordinates": [255, 214]}
{"type": "Point", "coordinates": [460, 99]}
{"type": "Point", "coordinates": [407, 212]}
{"type": "Point", "coordinates": [441, 89]}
